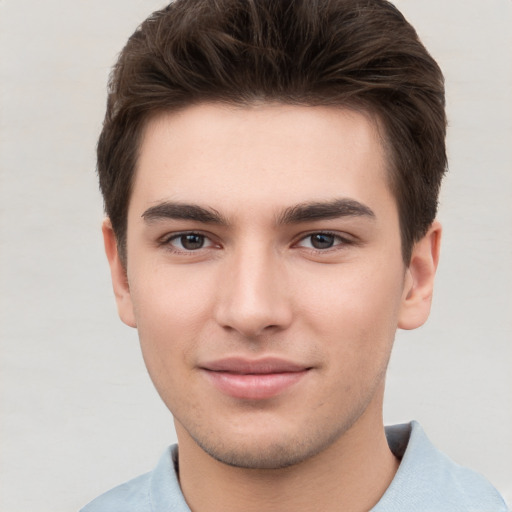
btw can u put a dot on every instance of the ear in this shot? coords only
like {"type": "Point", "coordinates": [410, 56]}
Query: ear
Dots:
{"type": "Point", "coordinates": [419, 280]}
{"type": "Point", "coordinates": [119, 276]}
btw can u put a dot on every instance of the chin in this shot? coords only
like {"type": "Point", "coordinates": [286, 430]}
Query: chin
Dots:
{"type": "Point", "coordinates": [265, 453]}
{"type": "Point", "coordinates": [271, 456]}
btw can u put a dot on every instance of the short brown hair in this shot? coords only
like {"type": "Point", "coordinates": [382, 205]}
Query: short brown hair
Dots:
{"type": "Point", "coordinates": [354, 53]}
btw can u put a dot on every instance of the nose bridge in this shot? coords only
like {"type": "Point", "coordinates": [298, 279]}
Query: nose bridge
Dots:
{"type": "Point", "coordinates": [253, 294]}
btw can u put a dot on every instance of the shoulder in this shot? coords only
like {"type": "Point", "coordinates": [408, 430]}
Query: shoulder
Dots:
{"type": "Point", "coordinates": [130, 496]}
{"type": "Point", "coordinates": [427, 480]}
{"type": "Point", "coordinates": [157, 491]}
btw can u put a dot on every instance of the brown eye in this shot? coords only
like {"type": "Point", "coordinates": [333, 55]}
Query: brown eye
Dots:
{"type": "Point", "coordinates": [322, 240]}
{"type": "Point", "coordinates": [187, 242]}
{"type": "Point", "coordinates": [191, 241]}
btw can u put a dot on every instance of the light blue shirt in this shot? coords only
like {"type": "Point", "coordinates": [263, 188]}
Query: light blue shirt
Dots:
{"type": "Point", "coordinates": [426, 481]}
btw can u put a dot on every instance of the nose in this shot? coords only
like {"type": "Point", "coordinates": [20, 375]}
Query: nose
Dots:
{"type": "Point", "coordinates": [254, 297]}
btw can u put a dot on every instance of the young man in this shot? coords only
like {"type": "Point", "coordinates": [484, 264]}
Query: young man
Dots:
{"type": "Point", "coordinates": [270, 173]}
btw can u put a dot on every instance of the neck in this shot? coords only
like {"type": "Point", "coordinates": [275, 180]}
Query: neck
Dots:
{"type": "Point", "coordinates": [351, 475]}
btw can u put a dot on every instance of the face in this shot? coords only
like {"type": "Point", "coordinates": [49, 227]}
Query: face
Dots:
{"type": "Point", "coordinates": [264, 275]}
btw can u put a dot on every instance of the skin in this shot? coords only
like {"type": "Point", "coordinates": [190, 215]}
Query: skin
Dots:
{"type": "Point", "coordinates": [258, 287]}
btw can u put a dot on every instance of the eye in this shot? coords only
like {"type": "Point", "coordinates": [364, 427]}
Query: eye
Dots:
{"type": "Point", "coordinates": [321, 241]}
{"type": "Point", "coordinates": [189, 242]}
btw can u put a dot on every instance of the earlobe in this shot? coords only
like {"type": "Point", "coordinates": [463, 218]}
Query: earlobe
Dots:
{"type": "Point", "coordinates": [118, 275]}
{"type": "Point", "coordinates": [419, 279]}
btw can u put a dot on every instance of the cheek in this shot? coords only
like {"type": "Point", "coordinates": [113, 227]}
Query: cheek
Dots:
{"type": "Point", "coordinates": [165, 326]}
{"type": "Point", "coordinates": [356, 310]}
{"type": "Point", "coordinates": [170, 298]}
{"type": "Point", "coordinates": [170, 310]}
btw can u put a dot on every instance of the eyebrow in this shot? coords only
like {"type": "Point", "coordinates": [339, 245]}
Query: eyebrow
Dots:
{"type": "Point", "coordinates": [182, 211]}
{"type": "Point", "coordinates": [302, 212]}
{"type": "Point", "coordinates": [312, 211]}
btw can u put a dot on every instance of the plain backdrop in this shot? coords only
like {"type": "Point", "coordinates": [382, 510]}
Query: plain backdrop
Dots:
{"type": "Point", "coordinates": [78, 412]}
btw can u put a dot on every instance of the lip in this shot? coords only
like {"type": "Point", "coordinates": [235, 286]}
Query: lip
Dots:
{"type": "Point", "coordinates": [253, 379]}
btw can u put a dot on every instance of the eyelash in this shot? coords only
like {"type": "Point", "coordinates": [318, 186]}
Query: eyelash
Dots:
{"type": "Point", "coordinates": [337, 242]}
{"type": "Point", "coordinates": [167, 241]}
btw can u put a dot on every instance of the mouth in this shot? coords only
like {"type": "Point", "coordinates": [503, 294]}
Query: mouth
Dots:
{"type": "Point", "coordinates": [253, 379]}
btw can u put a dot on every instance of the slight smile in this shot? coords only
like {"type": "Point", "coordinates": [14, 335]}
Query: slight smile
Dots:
{"type": "Point", "coordinates": [253, 379]}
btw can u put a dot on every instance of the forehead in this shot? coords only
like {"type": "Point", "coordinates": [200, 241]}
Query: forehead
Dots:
{"type": "Point", "coordinates": [270, 154]}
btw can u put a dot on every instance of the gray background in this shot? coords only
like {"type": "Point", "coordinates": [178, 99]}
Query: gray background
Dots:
{"type": "Point", "coordinates": [78, 412]}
